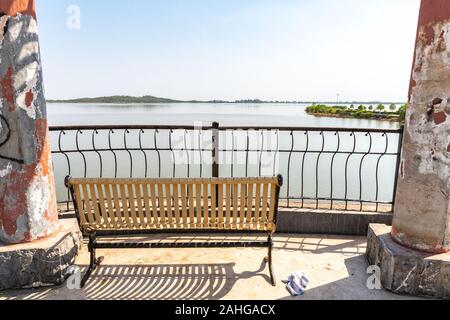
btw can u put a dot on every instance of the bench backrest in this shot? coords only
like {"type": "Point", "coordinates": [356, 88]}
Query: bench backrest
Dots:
{"type": "Point", "coordinates": [175, 204]}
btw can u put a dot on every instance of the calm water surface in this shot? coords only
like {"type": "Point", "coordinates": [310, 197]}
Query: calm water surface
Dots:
{"type": "Point", "coordinates": [299, 169]}
{"type": "Point", "coordinates": [188, 113]}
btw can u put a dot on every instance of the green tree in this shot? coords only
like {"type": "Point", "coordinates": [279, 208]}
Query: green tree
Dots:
{"type": "Point", "coordinates": [402, 112]}
{"type": "Point", "coordinates": [392, 107]}
{"type": "Point", "coordinates": [381, 107]}
{"type": "Point", "coordinates": [371, 108]}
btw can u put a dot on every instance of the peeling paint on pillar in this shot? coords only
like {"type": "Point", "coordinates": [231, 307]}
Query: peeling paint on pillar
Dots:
{"type": "Point", "coordinates": [421, 213]}
{"type": "Point", "coordinates": [27, 193]}
{"type": "Point", "coordinates": [6, 84]}
{"type": "Point", "coordinates": [13, 7]}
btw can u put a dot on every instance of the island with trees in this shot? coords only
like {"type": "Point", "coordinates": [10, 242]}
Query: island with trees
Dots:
{"type": "Point", "coordinates": [391, 112]}
{"type": "Point", "coordinates": [149, 99]}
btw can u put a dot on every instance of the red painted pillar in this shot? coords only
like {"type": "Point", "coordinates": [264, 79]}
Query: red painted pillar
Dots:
{"type": "Point", "coordinates": [27, 193]}
{"type": "Point", "coordinates": [422, 210]}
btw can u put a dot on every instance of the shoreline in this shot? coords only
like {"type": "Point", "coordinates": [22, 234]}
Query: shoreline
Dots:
{"type": "Point", "coordinates": [347, 116]}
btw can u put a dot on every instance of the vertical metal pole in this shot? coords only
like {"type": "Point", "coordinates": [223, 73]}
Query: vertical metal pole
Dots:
{"type": "Point", "coordinates": [397, 167]}
{"type": "Point", "coordinates": [215, 156]}
{"type": "Point", "coordinates": [215, 150]}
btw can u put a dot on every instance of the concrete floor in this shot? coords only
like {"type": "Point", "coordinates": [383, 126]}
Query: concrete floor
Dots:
{"type": "Point", "coordinates": [335, 265]}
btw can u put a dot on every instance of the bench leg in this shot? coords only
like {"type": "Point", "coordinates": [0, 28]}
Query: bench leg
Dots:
{"type": "Point", "coordinates": [268, 260]}
{"type": "Point", "coordinates": [93, 263]}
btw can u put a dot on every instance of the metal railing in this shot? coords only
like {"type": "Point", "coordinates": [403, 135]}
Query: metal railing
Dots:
{"type": "Point", "coordinates": [329, 168]}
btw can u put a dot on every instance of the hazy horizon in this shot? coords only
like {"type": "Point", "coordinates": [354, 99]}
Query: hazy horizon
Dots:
{"type": "Point", "coordinates": [224, 101]}
{"type": "Point", "coordinates": [282, 50]}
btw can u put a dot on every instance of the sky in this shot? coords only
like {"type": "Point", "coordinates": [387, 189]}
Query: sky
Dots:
{"type": "Point", "coordinates": [302, 50]}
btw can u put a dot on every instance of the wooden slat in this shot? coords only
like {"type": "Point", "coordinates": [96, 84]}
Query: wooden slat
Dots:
{"type": "Point", "coordinates": [78, 199]}
{"type": "Point", "coordinates": [124, 201]}
{"type": "Point", "coordinates": [117, 206]}
{"type": "Point", "coordinates": [87, 205]}
{"type": "Point", "coordinates": [191, 196]}
{"type": "Point", "coordinates": [184, 207]}
{"type": "Point", "coordinates": [265, 198]}
{"type": "Point", "coordinates": [139, 205]}
{"type": "Point", "coordinates": [176, 205]}
{"type": "Point", "coordinates": [242, 204]}
{"type": "Point", "coordinates": [131, 202]}
{"type": "Point", "coordinates": [112, 216]}
{"type": "Point", "coordinates": [198, 200]}
{"type": "Point", "coordinates": [103, 212]}
{"type": "Point", "coordinates": [168, 205]}
{"type": "Point", "coordinates": [95, 204]}
{"type": "Point", "coordinates": [272, 205]}
{"type": "Point", "coordinates": [204, 218]}
{"type": "Point", "coordinates": [228, 200]}
{"type": "Point", "coordinates": [155, 219]}
{"type": "Point", "coordinates": [147, 208]}
{"type": "Point", "coordinates": [213, 221]}
{"type": "Point", "coordinates": [173, 180]}
{"type": "Point", "coordinates": [235, 205]}
{"type": "Point", "coordinates": [220, 205]}
{"type": "Point", "coordinates": [258, 206]}
{"type": "Point", "coordinates": [162, 211]}
{"type": "Point", "coordinates": [249, 221]}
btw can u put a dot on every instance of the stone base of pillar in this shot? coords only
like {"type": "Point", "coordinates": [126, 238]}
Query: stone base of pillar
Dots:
{"type": "Point", "coordinates": [40, 263]}
{"type": "Point", "coordinates": [406, 271]}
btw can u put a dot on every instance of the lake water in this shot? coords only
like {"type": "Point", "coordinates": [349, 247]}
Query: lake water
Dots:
{"type": "Point", "coordinates": [339, 166]}
{"type": "Point", "coordinates": [189, 113]}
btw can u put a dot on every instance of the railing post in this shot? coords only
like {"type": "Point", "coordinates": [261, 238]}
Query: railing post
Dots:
{"type": "Point", "coordinates": [397, 166]}
{"type": "Point", "coordinates": [215, 156]}
{"type": "Point", "coordinates": [215, 150]}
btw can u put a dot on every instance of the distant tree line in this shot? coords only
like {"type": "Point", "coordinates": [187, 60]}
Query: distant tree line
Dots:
{"type": "Point", "coordinates": [153, 99]}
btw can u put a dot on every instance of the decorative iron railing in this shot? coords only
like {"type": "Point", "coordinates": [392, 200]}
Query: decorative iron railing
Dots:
{"type": "Point", "coordinates": [330, 168]}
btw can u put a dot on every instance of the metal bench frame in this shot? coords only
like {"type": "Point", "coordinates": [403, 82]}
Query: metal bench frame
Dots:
{"type": "Point", "coordinates": [95, 235]}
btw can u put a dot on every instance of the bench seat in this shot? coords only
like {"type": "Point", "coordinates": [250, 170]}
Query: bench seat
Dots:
{"type": "Point", "coordinates": [110, 207]}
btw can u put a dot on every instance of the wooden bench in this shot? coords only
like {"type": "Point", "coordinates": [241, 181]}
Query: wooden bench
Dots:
{"type": "Point", "coordinates": [107, 208]}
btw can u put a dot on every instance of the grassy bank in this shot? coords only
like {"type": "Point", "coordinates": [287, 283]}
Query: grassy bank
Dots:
{"type": "Point", "coordinates": [378, 112]}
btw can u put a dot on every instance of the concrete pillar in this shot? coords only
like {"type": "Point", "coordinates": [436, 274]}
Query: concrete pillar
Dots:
{"type": "Point", "coordinates": [422, 209]}
{"type": "Point", "coordinates": [27, 194]}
